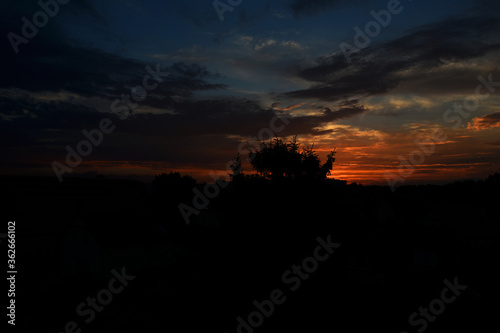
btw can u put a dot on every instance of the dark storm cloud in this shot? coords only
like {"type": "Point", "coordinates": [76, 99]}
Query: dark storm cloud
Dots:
{"type": "Point", "coordinates": [453, 80]}
{"type": "Point", "coordinates": [53, 65]}
{"type": "Point", "coordinates": [233, 117]}
{"type": "Point", "coordinates": [309, 124]}
{"type": "Point", "coordinates": [41, 130]}
{"type": "Point", "coordinates": [379, 68]}
{"type": "Point", "coordinates": [206, 117]}
{"type": "Point", "coordinates": [25, 112]}
{"type": "Point", "coordinates": [49, 62]}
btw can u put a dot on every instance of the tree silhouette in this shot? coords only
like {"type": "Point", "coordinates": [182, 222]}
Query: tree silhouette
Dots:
{"type": "Point", "coordinates": [277, 160]}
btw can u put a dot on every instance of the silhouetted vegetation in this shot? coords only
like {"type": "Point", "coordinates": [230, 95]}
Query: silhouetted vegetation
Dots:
{"type": "Point", "coordinates": [277, 160]}
{"type": "Point", "coordinates": [396, 248]}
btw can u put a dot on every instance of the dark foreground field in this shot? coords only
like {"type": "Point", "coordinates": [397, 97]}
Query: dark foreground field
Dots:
{"type": "Point", "coordinates": [103, 255]}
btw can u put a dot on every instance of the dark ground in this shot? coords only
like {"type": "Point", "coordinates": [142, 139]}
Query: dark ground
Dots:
{"type": "Point", "coordinates": [396, 249]}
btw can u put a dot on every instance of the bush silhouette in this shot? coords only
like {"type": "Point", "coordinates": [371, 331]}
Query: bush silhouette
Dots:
{"type": "Point", "coordinates": [277, 160]}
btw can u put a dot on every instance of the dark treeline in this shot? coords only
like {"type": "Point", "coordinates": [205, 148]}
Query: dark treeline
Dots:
{"type": "Point", "coordinates": [396, 249]}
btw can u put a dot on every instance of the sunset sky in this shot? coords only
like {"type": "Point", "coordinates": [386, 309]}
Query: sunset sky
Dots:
{"type": "Point", "coordinates": [222, 81]}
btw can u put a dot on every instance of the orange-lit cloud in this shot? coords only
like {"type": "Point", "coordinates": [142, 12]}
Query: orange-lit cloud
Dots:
{"type": "Point", "coordinates": [485, 122]}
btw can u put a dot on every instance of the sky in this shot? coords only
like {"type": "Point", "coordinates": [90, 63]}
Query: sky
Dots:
{"type": "Point", "coordinates": [404, 91]}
